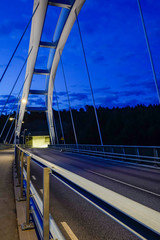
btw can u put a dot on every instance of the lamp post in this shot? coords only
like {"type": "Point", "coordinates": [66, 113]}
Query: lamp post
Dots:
{"type": "Point", "coordinates": [24, 137]}
{"type": "Point", "coordinates": [28, 138]}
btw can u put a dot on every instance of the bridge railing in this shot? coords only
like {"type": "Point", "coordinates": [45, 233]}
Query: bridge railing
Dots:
{"type": "Point", "coordinates": [37, 209]}
{"type": "Point", "coordinates": [127, 212]}
{"type": "Point", "coordinates": [137, 155]}
{"type": "Point", "coordinates": [5, 146]}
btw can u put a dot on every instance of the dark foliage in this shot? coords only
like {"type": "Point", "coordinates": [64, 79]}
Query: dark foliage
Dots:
{"type": "Point", "coordinates": [138, 125]}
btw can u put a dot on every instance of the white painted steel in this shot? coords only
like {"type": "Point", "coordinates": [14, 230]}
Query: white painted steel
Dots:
{"type": "Point", "coordinates": [36, 31]}
{"type": "Point", "coordinates": [60, 45]}
{"type": "Point", "coordinates": [137, 211]}
{"type": "Point", "coordinates": [63, 28]}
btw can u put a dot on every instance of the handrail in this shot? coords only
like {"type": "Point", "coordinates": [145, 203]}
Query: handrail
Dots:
{"type": "Point", "coordinates": [125, 211]}
{"type": "Point", "coordinates": [100, 151]}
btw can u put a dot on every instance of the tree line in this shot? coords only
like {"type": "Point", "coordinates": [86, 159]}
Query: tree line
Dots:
{"type": "Point", "coordinates": [139, 125]}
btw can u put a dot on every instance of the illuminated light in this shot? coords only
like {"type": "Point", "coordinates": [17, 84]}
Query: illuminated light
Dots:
{"type": "Point", "coordinates": [22, 121]}
{"type": "Point", "coordinates": [40, 141]}
{"type": "Point", "coordinates": [24, 100]}
{"type": "Point", "coordinates": [11, 119]}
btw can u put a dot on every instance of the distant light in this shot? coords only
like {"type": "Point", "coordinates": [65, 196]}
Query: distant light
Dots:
{"type": "Point", "coordinates": [24, 100]}
{"type": "Point", "coordinates": [22, 121]}
{"type": "Point", "coordinates": [11, 119]}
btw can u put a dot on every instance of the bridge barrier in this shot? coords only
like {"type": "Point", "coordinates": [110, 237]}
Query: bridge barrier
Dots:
{"type": "Point", "coordinates": [137, 218]}
{"type": "Point", "coordinates": [37, 211]}
{"type": "Point", "coordinates": [137, 155]}
{"type": "Point", "coordinates": [5, 146]}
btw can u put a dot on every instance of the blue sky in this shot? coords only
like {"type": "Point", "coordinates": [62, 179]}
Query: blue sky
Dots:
{"type": "Point", "coordinates": [115, 47]}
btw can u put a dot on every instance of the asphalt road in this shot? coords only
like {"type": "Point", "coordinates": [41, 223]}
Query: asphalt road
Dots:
{"type": "Point", "coordinates": [77, 218]}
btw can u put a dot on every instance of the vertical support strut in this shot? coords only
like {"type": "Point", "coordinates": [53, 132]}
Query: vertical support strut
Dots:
{"type": "Point", "coordinates": [94, 105]}
{"type": "Point", "coordinates": [21, 198]}
{"type": "Point", "coordinates": [28, 225]}
{"type": "Point", "coordinates": [18, 167]}
{"type": "Point", "coordinates": [46, 172]}
{"type": "Point", "coordinates": [28, 190]}
{"type": "Point", "coordinates": [149, 50]}
{"type": "Point", "coordinates": [74, 130]}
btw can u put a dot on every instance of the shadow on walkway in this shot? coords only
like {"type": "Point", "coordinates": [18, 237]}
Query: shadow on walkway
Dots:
{"type": "Point", "coordinates": [8, 219]}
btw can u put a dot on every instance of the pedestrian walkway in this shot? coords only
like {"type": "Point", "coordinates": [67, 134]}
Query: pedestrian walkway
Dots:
{"type": "Point", "coordinates": [8, 219]}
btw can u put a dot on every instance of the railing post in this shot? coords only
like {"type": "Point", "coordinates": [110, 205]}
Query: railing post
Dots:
{"type": "Point", "coordinates": [46, 172]}
{"type": "Point", "coordinates": [18, 167]}
{"type": "Point", "coordinates": [28, 225]}
{"type": "Point", "coordinates": [21, 198]}
{"type": "Point", "coordinates": [137, 151]}
{"type": "Point", "coordinates": [124, 153]}
{"type": "Point", "coordinates": [28, 190]}
{"type": "Point", "coordinates": [155, 152]}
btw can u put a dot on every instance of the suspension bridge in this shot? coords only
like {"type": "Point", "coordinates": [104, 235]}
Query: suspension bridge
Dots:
{"type": "Point", "coordinates": [74, 191]}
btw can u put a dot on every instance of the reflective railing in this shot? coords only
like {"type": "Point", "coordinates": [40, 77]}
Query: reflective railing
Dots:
{"type": "Point", "coordinates": [139, 155]}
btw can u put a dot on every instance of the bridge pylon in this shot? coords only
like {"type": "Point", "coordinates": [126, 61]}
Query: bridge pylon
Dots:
{"type": "Point", "coordinates": [70, 10]}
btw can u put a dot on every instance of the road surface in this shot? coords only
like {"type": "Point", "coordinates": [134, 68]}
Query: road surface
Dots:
{"type": "Point", "coordinates": [77, 218]}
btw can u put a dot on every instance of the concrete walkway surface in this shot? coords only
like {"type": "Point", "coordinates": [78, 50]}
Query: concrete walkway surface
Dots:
{"type": "Point", "coordinates": [8, 218]}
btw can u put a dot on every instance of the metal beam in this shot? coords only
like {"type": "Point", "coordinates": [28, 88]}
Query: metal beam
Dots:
{"type": "Point", "coordinates": [36, 109]}
{"type": "Point", "coordinates": [60, 3]}
{"type": "Point", "coordinates": [35, 37]}
{"type": "Point", "coordinates": [48, 44]}
{"type": "Point", "coordinates": [41, 71]}
{"type": "Point", "coordinates": [38, 92]}
{"type": "Point", "coordinates": [64, 26]}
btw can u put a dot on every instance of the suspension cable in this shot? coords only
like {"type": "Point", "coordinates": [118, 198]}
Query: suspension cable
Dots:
{"type": "Point", "coordinates": [60, 120]}
{"type": "Point", "coordinates": [55, 128]}
{"type": "Point", "coordinates": [75, 136]}
{"type": "Point", "coordinates": [8, 132]}
{"type": "Point", "coordinates": [16, 80]}
{"type": "Point", "coordinates": [11, 136]}
{"type": "Point", "coordinates": [94, 105]}
{"type": "Point", "coordinates": [149, 50]}
{"type": "Point", "coordinates": [19, 42]}
{"type": "Point", "coordinates": [13, 107]}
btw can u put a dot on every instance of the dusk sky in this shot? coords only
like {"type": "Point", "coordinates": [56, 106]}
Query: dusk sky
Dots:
{"type": "Point", "coordinates": [115, 47]}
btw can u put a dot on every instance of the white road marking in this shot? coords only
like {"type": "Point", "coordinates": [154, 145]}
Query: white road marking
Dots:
{"type": "Point", "coordinates": [69, 231]}
{"type": "Point", "coordinates": [41, 190]}
{"type": "Point", "coordinates": [130, 185]}
{"type": "Point", "coordinates": [34, 178]}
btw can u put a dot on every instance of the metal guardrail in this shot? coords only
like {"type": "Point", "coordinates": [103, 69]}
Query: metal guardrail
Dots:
{"type": "Point", "coordinates": [37, 211]}
{"type": "Point", "coordinates": [137, 155]}
{"type": "Point", "coordinates": [5, 146]}
{"type": "Point", "coordinates": [125, 211]}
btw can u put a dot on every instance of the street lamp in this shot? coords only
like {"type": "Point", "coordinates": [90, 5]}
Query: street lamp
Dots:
{"type": "Point", "coordinates": [23, 100]}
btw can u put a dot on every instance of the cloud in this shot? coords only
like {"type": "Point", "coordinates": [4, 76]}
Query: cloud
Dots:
{"type": "Point", "coordinates": [36, 101]}
{"type": "Point", "coordinates": [2, 65]}
{"type": "Point", "coordinates": [128, 56]}
{"type": "Point", "coordinates": [3, 99]}
{"type": "Point", "coordinates": [8, 26]}
{"type": "Point", "coordinates": [20, 58]}
{"type": "Point", "coordinates": [99, 59]}
{"type": "Point", "coordinates": [78, 96]}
